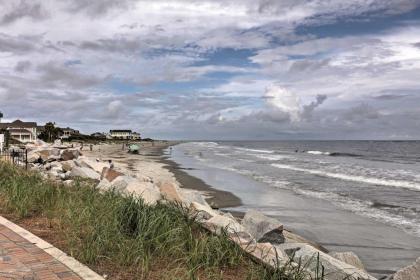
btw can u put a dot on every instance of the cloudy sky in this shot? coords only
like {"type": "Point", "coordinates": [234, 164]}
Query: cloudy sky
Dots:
{"type": "Point", "coordinates": [221, 69]}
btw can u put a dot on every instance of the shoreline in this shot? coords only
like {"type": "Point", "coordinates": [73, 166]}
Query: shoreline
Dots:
{"type": "Point", "coordinates": [216, 198]}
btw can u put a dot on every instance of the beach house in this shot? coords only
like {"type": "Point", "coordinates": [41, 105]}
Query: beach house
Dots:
{"type": "Point", "coordinates": [123, 134]}
{"type": "Point", "coordinates": [67, 132]}
{"type": "Point", "coordinates": [135, 136]}
{"type": "Point", "coordinates": [21, 131]}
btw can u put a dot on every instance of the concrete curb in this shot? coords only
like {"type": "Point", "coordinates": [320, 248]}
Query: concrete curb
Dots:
{"type": "Point", "coordinates": [80, 269]}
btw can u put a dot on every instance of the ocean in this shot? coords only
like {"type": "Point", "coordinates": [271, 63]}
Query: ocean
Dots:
{"type": "Point", "coordinates": [357, 184]}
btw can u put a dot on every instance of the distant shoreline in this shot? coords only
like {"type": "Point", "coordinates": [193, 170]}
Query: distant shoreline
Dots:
{"type": "Point", "coordinates": [218, 198]}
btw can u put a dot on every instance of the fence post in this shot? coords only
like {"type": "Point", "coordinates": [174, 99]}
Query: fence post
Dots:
{"type": "Point", "coordinates": [26, 159]}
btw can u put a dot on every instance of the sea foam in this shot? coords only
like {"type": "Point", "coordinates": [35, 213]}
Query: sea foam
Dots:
{"type": "Point", "coordinates": [347, 177]}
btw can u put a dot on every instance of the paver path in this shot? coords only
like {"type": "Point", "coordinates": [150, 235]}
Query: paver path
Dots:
{"type": "Point", "coordinates": [21, 259]}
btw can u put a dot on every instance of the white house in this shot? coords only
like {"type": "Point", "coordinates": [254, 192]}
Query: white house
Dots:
{"type": "Point", "coordinates": [67, 132]}
{"type": "Point", "coordinates": [21, 131]}
{"type": "Point", "coordinates": [125, 134]}
{"type": "Point", "coordinates": [135, 136]}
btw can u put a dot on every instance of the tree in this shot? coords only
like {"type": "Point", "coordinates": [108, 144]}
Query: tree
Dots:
{"type": "Point", "coordinates": [50, 132]}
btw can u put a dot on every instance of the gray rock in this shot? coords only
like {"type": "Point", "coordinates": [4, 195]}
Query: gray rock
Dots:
{"type": "Point", "coordinates": [263, 228]}
{"type": "Point", "coordinates": [147, 191]}
{"type": "Point", "coordinates": [190, 196]}
{"type": "Point", "coordinates": [84, 172]}
{"type": "Point", "coordinates": [109, 174]}
{"type": "Point", "coordinates": [312, 259]}
{"type": "Point", "coordinates": [70, 154]}
{"type": "Point", "coordinates": [58, 142]}
{"type": "Point", "coordinates": [98, 166]}
{"type": "Point", "coordinates": [411, 272]}
{"type": "Point", "coordinates": [68, 165]}
{"type": "Point", "coordinates": [348, 257]}
{"type": "Point", "coordinates": [219, 223]}
{"type": "Point", "coordinates": [120, 183]}
{"type": "Point", "coordinates": [202, 212]}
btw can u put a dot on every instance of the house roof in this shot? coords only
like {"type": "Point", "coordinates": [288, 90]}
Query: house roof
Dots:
{"type": "Point", "coordinates": [120, 130]}
{"type": "Point", "coordinates": [18, 124]}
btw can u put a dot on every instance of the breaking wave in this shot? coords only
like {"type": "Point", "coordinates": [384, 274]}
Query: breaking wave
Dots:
{"type": "Point", "coordinates": [255, 150]}
{"type": "Point", "coordinates": [354, 178]}
{"type": "Point", "coordinates": [333, 154]}
{"type": "Point", "coordinates": [371, 210]}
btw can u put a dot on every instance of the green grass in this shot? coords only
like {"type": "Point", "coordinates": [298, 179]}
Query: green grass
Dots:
{"type": "Point", "coordinates": [124, 237]}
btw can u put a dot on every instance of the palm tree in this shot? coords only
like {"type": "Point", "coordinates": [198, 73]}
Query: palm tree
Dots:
{"type": "Point", "coordinates": [50, 132]}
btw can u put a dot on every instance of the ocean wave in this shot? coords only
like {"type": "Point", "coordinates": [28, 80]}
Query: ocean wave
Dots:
{"type": "Point", "coordinates": [333, 154]}
{"type": "Point", "coordinates": [354, 178]}
{"type": "Point", "coordinates": [205, 144]}
{"type": "Point", "coordinates": [369, 209]}
{"type": "Point", "coordinates": [272, 157]}
{"type": "Point", "coordinates": [255, 150]}
{"type": "Point", "coordinates": [317, 153]}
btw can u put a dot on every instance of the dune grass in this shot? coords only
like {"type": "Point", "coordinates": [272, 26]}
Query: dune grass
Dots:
{"type": "Point", "coordinates": [126, 239]}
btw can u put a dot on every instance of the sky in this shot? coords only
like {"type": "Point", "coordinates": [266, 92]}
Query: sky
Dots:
{"type": "Point", "coordinates": [221, 69]}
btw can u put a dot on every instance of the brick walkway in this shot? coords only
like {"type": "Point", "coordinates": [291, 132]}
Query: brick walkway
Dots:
{"type": "Point", "coordinates": [20, 259]}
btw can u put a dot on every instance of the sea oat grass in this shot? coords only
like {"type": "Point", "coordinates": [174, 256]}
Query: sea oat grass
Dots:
{"type": "Point", "coordinates": [123, 236]}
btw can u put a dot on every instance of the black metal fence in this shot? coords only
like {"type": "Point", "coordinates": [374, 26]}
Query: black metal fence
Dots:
{"type": "Point", "coordinates": [16, 156]}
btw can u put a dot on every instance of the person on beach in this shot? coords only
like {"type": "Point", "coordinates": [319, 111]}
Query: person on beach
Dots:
{"type": "Point", "coordinates": [111, 164]}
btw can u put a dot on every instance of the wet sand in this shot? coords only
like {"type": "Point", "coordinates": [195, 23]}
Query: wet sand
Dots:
{"type": "Point", "coordinates": [216, 198]}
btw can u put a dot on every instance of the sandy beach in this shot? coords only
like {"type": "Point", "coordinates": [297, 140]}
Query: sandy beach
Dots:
{"type": "Point", "coordinates": [152, 161]}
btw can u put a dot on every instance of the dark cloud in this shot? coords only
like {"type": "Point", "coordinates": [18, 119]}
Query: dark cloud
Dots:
{"type": "Point", "coordinates": [309, 109]}
{"type": "Point", "coordinates": [24, 9]}
{"type": "Point", "coordinates": [22, 66]}
{"type": "Point", "coordinates": [97, 8]}
{"type": "Point", "coordinates": [390, 96]}
{"type": "Point", "coordinates": [308, 65]}
{"type": "Point", "coordinates": [18, 44]}
{"type": "Point", "coordinates": [56, 75]}
{"type": "Point", "coordinates": [361, 113]}
{"type": "Point", "coordinates": [117, 45]}
{"type": "Point", "coordinates": [417, 45]}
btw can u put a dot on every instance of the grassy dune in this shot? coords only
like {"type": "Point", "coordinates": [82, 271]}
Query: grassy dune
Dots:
{"type": "Point", "coordinates": [121, 236]}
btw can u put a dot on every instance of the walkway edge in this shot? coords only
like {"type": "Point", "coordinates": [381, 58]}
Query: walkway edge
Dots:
{"type": "Point", "coordinates": [80, 269]}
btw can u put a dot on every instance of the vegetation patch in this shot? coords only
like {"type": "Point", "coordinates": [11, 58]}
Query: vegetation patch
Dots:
{"type": "Point", "coordinates": [121, 236]}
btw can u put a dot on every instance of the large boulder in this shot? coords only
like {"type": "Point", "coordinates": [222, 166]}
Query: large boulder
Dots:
{"type": "Point", "coordinates": [350, 258]}
{"type": "Point", "coordinates": [104, 185]}
{"type": "Point", "coordinates": [263, 228]}
{"type": "Point", "coordinates": [147, 191]}
{"type": "Point", "coordinates": [411, 272]}
{"type": "Point", "coordinates": [45, 153]}
{"type": "Point", "coordinates": [190, 196]}
{"type": "Point", "coordinates": [220, 223]}
{"type": "Point", "coordinates": [120, 183]}
{"type": "Point", "coordinates": [313, 259]}
{"type": "Point", "coordinates": [170, 192]}
{"type": "Point", "coordinates": [109, 173]}
{"type": "Point", "coordinates": [202, 212]}
{"type": "Point", "coordinates": [33, 156]}
{"type": "Point", "coordinates": [67, 165]}
{"type": "Point", "coordinates": [291, 237]}
{"type": "Point", "coordinates": [58, 143]}
{"type": "Point", "coordinates": [84, 172]}
{"type": "Point", "coordinates": [70, 154]}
